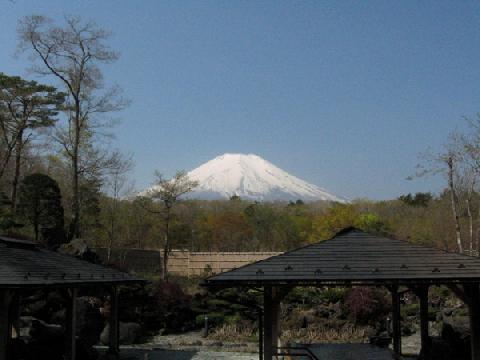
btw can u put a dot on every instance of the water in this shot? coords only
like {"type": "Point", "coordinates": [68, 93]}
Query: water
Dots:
{"type": "Point", "coordinates": [350, 352]}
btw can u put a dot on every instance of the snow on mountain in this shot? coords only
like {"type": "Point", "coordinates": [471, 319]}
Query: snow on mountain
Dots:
{"type": "Point", "coordinates": [253, 178]}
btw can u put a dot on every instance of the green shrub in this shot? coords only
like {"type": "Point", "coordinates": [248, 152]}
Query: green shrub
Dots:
{"type": "Point", "coordinates": [410, 310]}
{"type": "Point", "coordinates": [333, 294]}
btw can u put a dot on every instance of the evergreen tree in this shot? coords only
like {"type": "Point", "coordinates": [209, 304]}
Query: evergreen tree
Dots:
{"type": "Point", "coordinates": [41, 206]}
{"type": "Point", "coordinates": [27, 107]}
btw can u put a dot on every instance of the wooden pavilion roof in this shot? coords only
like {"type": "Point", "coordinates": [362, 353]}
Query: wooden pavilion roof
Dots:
{"type": "Point", "coordinates": [355, 257]}
{"type": "Point", "coordinates": [26, 264]}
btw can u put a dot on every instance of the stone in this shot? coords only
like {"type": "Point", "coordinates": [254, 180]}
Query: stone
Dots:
{"type": "Point", "coordinates": [79, 248]}
{"type": "Point", "coordinates": [76, 247]}
{"type": "Point", "coordinates": [441, 350]}
{"type": "Point", "coordinates": [129, 333]}
{"type": "Point", "coordinates": [456, 333]}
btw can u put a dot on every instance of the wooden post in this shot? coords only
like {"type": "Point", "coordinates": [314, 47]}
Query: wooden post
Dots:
{"type": "Point", "coordinates": [396, 326]}
{"type": "Point", "coordinates": [5, 325]}
{"type": "Point", "coordinates": [114, 333]}
{"type": "Point", "coordinates": [15, 315]}
{"type": "Point", "coordinates": [267, 323]}
{"type": "Point", "coordinates": [275, 320]}
{"type": "Point", "coordinates": [260, 334]}
{"type": "Point", "coordinates": [472, 295]}
{"type": "Point", "coordinates": [71, 325]}
{"type": "Point", "coordinates": [422, 293]}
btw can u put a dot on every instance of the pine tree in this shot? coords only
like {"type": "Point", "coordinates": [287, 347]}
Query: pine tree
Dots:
{"type": "Point", "coordinates": [40, 204]}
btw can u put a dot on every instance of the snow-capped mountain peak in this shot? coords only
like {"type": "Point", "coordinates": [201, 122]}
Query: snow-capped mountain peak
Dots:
{"type": "Point", "coordinates": [253, 178]}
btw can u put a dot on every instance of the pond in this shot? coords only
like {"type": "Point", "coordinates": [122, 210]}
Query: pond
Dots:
{"type": "Point", "coordinates": [351, 352]}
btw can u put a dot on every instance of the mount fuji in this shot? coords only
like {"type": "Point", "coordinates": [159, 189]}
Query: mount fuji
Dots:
{"type": "Point", "coordinates": [252, 178]}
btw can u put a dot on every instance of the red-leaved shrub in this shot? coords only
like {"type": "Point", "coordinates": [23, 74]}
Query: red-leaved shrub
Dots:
{"type": "Point", "coordinates": [366, 305]}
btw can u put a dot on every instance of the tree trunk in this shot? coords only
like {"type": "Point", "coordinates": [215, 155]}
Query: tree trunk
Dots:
{"type": "Point", "coordinates": [6, 159]}
{"type": "Point", "coordinates": [454, 201]}
{"type": "Point", "coordinates": [478, 234]}
{"type": "Point", "coordinates": [75, 224]}
{"type": "Point", "coordinates": [112, 221]}
{"type": "Point", "coordinates": [16, 177]}
{"type": "Point", "coordinates": [36, 230]}
{"type": "Point", "coordinates": [166, 245]}
{"type": "Point", "coordinates": [470, 225]}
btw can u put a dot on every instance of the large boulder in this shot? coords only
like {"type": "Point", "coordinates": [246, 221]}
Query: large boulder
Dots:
{"type": "Point", "coordinates": [79, 248]}
{"type": "Point", "coordinates": [129, 333]}
{"type": "Point", "coordinates": [456, 333]}
{"type": "Point", "coordinates": [46, 340]}
{"type": "Point", "coordinates": [441, 350]}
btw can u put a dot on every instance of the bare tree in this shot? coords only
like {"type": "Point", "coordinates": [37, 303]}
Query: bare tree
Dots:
{"type": "Point", "coordinates": [116, 184]}
{"type": "Point", "coordinates": [448, 162]}
{"type": "Point", "coordinates": [72, 54]}
{"type": "Point", "coordinates": [168, 192]}
{"type": "Point", "coordinates": [471, 144]}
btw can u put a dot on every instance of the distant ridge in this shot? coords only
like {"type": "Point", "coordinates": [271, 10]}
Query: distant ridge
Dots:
{"type": "Point", "coordinates": [252, 178]}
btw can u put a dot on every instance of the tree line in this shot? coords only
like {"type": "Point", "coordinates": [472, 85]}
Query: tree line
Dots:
{"type": "Point", "coordinates": [60, 180]}
{"type": "Point", "coordinates": [58, 130]}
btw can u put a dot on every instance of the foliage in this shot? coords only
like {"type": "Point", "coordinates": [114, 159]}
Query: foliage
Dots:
{"type": "Point", "coordinates": [6, 216]}
{"type": "Point", "coordinates": [41, 206]}
{"type": "Point", "coordinates": [366, 304]}
{"type": "Point", "coordinates": [304, 295]}
{"type": "Point", "coordinates": [27, 107]}
{"type": "Point", "coordinates": [168, 192]}
{"type": "Point", "coordinates": [419, 199]}
{"type": "Point", "coordinates": [72, 54]}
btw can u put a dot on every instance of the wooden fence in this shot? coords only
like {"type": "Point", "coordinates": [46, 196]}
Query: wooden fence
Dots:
{"type": "Point", "coordinates": [185, 263]}
{"type": "Point", "coordinates": [188, 263]}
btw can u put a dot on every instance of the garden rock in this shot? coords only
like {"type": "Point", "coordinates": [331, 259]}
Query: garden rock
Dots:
{"type": "Point", "coordinates": [129, 333]}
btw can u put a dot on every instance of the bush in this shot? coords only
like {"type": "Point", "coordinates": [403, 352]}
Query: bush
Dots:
{"type": "Point", "coordinates": [304, 295]}
{"type": "Point", "coordinates": [160, 305]}
{"type": "Point", "coordinates": [333, 294]}
{"type": "Point", "coordinates": [366, 305]}
{"type": "Point", "coordinates": [410, 310]}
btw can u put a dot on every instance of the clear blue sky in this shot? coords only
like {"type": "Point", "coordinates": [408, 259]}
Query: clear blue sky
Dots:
{"type": "Point", "coordinates": [344, 94]}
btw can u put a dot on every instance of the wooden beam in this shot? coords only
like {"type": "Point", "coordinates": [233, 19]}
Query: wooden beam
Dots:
{"type": "Point", "coordinates": [6, 297]}
{"type": "Point", "coordinates": [114, 324]}
{"type": "Point", "coordinates": [267, 323]}
{"type": "Point", "coordinates": [472, 295]}
{"type": "Point", "coordinates": [396, 326]}
{"type": "Point", "coordinates": [71, 325]}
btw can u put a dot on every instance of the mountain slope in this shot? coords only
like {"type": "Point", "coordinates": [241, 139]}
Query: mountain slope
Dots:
{"type": "Point", "coordinates": [253, 178]}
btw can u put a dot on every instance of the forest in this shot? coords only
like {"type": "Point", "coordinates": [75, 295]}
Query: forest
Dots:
{"type": "Point", "coordinates": [60, 179]}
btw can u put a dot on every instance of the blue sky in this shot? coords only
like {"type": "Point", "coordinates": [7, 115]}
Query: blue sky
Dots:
{"type": "Point", "coordinates": [342, 94]}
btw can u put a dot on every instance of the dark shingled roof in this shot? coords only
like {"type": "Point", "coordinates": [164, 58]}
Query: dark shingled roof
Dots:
{"type": "Point", "coordinates": [25, 264]}
{"type": "Point", "coordinates": [355, 257]}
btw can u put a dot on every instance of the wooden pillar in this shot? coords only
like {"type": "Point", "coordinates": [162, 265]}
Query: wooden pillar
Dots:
{"type": "Point", "coordinates": [260, 334]}
{"type": "Point", "coordinates": [396, 326]}
{"type": "Point", "coordinates": [472, 295]}
{"type": "Point", "coordinates": [267, 323]}
{"type": "Point", "coordinates": [114, 325]}
{"type": "Point", "coordinates": [6, 297]}
{"type": "Point", "coordinates": [15, 315]}
{"type": "Point", "coordinates": [422, 293]}
{"type": "Point", "coordinates": [71, 325]}
{"type": "Point", "coordinates": [271, 321]}
{"type": "Point", "coordinates": [275, 320]}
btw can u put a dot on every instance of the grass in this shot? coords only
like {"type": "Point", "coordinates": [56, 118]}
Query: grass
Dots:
{"type": "Point", "coordinates": [234, 333]}
{"type": "Point", "coordinates": [346, 334]}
